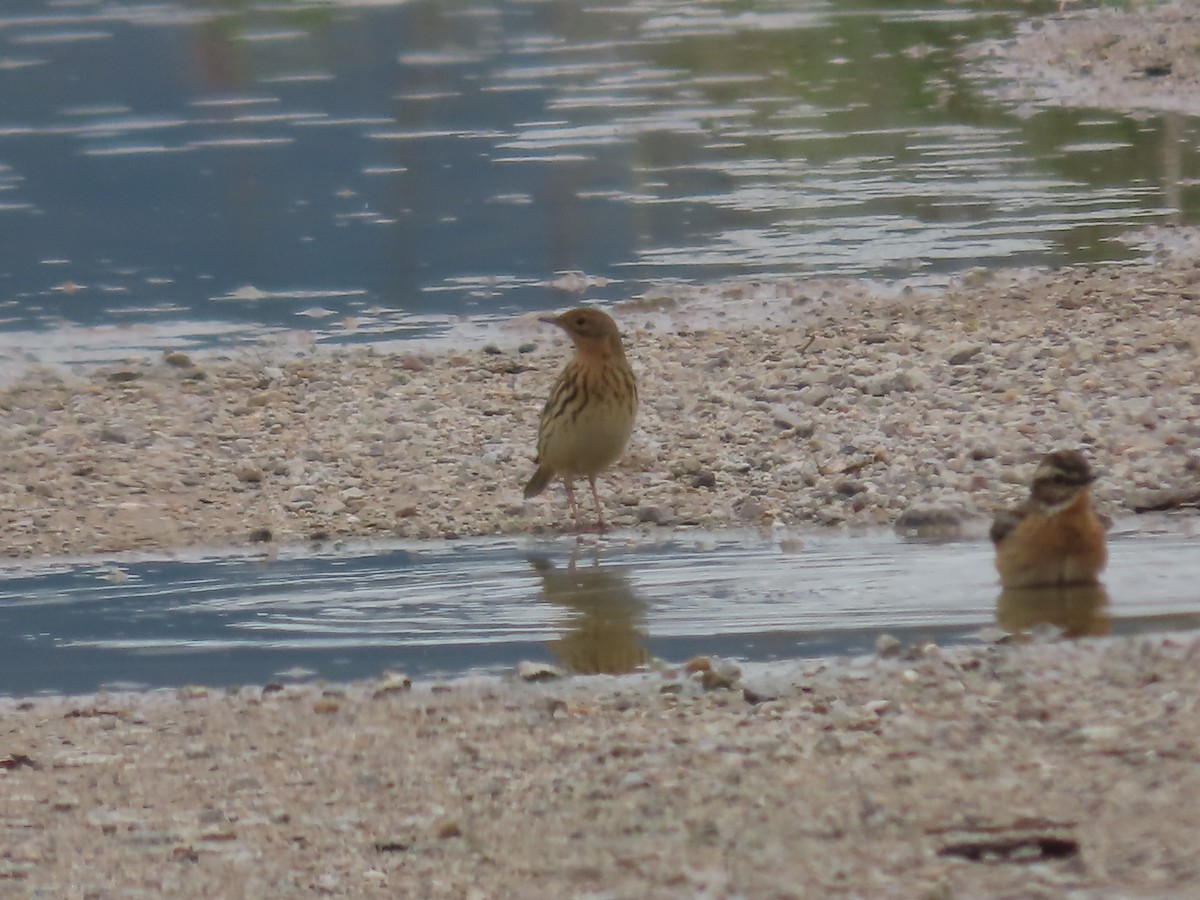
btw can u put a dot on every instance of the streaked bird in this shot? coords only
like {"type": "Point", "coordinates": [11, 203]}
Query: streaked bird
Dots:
{"type": "Point", "coordinates": [1055, 536]}
{"type": "Point", "coordinates": [589, 416]}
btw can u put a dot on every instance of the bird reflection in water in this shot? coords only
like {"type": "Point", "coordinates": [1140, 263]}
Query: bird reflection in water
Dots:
{"type": "Point", "coordinates": [1080, 610]}
{"type": "Point", "coordinates": [606, 629]}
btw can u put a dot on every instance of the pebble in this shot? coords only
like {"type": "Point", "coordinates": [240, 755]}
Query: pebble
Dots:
{"type": "Point", "coordinates": [392, 683]}
{"type": "Point", "coordinates": [887, 646]}
{"type": "Point", "coordinates": [930, 522]}
{"type": "Point", "coordinates": [535, 671]}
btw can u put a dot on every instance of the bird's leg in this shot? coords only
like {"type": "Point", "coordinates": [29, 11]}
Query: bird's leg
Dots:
{"type": "Point", "coordinates": [600, 526]}
{"type": "Point", "coordinates": [571, 504]}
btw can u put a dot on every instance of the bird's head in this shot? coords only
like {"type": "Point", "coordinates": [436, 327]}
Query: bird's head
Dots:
{"type": "Point", "coordinates": [591, 330]}
{"type": "Point", "coordinates": [1059, 476]}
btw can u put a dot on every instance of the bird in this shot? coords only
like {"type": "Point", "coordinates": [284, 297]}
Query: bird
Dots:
{"type": "Point", "coordinates": [589, 415]}
{"type": "Point", "coordinates": [1055, 537]}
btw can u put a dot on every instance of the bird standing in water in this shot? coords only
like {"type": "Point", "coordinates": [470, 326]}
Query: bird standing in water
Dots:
{"type": "Point", "coordinates": [1055, 536]}
{"type": "Point", "coordinates": [589, 416]}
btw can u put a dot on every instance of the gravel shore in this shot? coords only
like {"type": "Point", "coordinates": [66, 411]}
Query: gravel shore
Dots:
{"type": "Point", "coordinates": [1035, 771]}
{"type": "Point", "coordinates": [790, 403]}
{"type": "Point", "coordinates": [1138, 59]}
{"type": "Point", "coordinates": [1007, 771]}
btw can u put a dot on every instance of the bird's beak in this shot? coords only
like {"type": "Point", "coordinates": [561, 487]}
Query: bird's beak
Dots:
{"type": "Point", "coordinates": [549, 320]}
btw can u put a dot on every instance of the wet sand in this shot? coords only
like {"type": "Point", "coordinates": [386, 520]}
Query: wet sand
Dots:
{"type": "Point", "coordinates": [1044, 770]}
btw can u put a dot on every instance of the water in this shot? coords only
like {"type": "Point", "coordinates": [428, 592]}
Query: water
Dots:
{"type": "Point", "coordinates": [179, 173]}
{"type": "Point", "coordinates": [451, 608]}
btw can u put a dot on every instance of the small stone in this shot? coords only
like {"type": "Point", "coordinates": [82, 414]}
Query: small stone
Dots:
{"type": "Point", "coordinates": [816, 394]}
{"type": "Point", "coordinates": [723, 676]}
{"type": "Point", "coordinates": [326, 705]}
{"type": "Point", "coordinates": [448, 828]}
{"type": "Point", "coordinates": [705, 479]}
{"type": "Point", "coordinates": [1099, 734]}
{"type": "Point", "coordinates": [410, 363]}
{"type": "Point", "coordinates": [249, 474]}
{"type": "Point", "coordinates": [192, 692]}
{"type": "Point", "coordinates": [962, 353]}
{"type": "Point", "coordinates": [885, 383]}
{"type": "Point", "coordinates": [848, 487]}
{"type": "Point", "coordinates": [64, 803]}
{"type": "Point", "coordinates": [782, 417]}
{"type": "Point", "coordinates": [697, 664]}
{"type": "Point", "coordinates": [392, 683]}
{"type": "Point", "coordinates": [116, 434]}
{"type": "Point", "coordinates": [1045, 633]}
{"type": "Point", "coordinates": [929, 522]}
{"type": "Point", "coordinates": [178, 359]}
{"type": "Point", "coordinates": [754, 697]}
{"type": "Point", "coordinates": [534, 671]}
{"type": "Point", "coordinates": [650, 514]}
{"type": "Point", "coordinates": [991, 634]}
{"type": "Point", "coordinates": [260, 536]}
{"type": "Point", "coordinates": [887, 646]}
{"type": "Point", "coordinates": [14, 871]}
{"type": "Point", "coordinates": [393, 845]}
{"type": "Point", "coordinates": [750, 510]}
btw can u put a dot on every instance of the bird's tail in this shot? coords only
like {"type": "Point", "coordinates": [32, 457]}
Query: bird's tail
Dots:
{"type": "Point", "coordinates": [537, 484]}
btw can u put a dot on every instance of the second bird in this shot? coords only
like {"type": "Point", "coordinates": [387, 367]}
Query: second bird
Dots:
{"type": "Point", "coordinates": [587, 421]}
{"type": "Point", "coordinates": [1054, 537]}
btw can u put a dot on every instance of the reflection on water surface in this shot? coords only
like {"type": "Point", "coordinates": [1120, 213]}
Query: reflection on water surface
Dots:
{"type": "Point", "coordinates": [448, 608]}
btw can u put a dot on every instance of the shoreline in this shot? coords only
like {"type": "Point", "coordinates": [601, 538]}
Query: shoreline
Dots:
{"type": "Point", "coordinates": [791, 403]}
{"type": "Point", "coordinates": [1141, 60]}
{"type": "Point", "coordinates": [999, 771]}
{"type": "Point", "coordinates": [962, 772]}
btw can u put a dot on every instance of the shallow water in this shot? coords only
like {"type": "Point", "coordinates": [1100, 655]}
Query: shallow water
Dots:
{"type": "Point", "coordinates": [196, 173]}
{"type": "Point", "coordinates": [442, 609]}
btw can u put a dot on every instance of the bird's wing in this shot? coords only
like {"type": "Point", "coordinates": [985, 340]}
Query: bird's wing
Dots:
{"type": "Point", "coordinates": [1004, 523]}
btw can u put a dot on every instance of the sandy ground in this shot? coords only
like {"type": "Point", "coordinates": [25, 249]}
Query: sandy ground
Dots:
{"type": "Point", "coordinates": [1008, 771]}
{"type": "Point", "coordinates": [789, 403]}
{"type": "Point", "coordinates": [1034, 771]}
{"type": "Point", "coordinates": [1143, 58]}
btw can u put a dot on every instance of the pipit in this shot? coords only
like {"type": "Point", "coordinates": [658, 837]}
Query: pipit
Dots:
{"type": "Point", "coordinates": [1055, 536]}
{"type": "Point", "coordinates": [588, 419]}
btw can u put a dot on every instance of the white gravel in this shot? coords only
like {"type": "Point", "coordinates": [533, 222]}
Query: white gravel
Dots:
{"type": "Point", "coordinates": [1038, 771]}
{"type": "Point", "coordinates": [1142, 58]}
{"type": "Point", "coordinates": [789, 403]}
